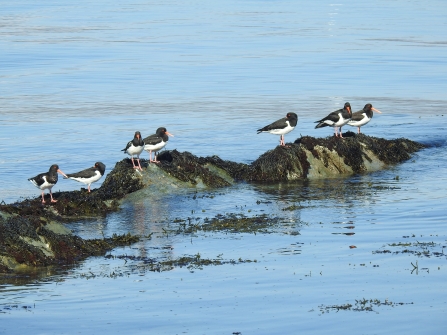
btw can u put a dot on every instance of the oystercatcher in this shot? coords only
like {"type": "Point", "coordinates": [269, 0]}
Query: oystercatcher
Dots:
{"type": "Point", "coordinates": [135, 147]}
{"type": "Point", "coordinates": [336, 119]}
{"type": "Point", "coordinates": [88, 176]}
{"type": "Point", "coordinates": [363, 116]}
{"type": "Point", "coordinates": [47, 180]}
{"type": "Point", "coordinates": [156, 142]}
{"type": "Point", "coordinates": [281, 126]}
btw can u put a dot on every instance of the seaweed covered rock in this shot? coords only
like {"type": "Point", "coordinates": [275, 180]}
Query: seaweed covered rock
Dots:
{"type": "Point", "coordinates": [122, 180]}
{"type": "Point", "coordinates": [30, 237]}
{"type": "Point", "coordinates": [313, 158]}
{"type": "Point", "coordinates": [306, 158]}
{"type": "Point", "coordinates": [29, 241]}
{"type": "Point", "coordinates": [193, 170]}
{"type": "Point", "coordinates": [282, 163]}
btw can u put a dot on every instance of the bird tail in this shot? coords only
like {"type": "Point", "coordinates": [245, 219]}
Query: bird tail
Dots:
{"type": "Point", "coordinates": [320, 124]}
{"type": "Point", "coordinates": [33, 182]}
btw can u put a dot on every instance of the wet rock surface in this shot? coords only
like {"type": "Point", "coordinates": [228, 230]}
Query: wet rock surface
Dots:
{"type": "Point", "coordinates": [307, 157]}
{"type": "Point", "coordinates": [31, 233]}
{"type": "Point", "coordinates": [28, 241]}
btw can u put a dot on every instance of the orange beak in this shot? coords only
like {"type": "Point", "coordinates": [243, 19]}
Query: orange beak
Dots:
{"type": "Point", "coordinates": [169, 134]}
{"type": "Point", "coordinates": [60, 171]}
{"type": "Point", "coordinates": [376, 110]}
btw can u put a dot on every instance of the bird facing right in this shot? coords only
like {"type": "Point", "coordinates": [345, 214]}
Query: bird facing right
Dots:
{"type": "Point", "coordinates": [89, 175]}
{"type": "Point", "coordinates": [336, 119]}
{"type": "Point", "coordinates": [156, 142]}
{"type": "Point", "coordinates": [363, 116]}
{"type": "Point", "coordinates": [47, 180]}
{"type": "Point", "coordinates": [281, 127]}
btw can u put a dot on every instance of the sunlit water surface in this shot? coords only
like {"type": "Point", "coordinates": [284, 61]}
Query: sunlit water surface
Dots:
{"type": "Point", "coordinates": [78, 79]}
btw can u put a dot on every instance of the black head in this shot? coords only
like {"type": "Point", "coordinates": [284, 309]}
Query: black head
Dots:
{"type": "Point", "coordinates": [292, 118]}
{"type": "Point", "coordinates": [101, 167]}
{"type": "Point", "coordinates": [54, 168]}
{"type": "Point", "coordinates": [137, 135]}
{"type": "Point", "coordinates": [347, 106]}
{"type": "Point", "coordinates": [161, 131]}
{"type": "Point", "coordinates": [367, 107]}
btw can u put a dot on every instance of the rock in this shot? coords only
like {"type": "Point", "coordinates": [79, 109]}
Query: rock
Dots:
{"type": "Point", "coordinates": [31, 234]}
{"type": "Point", "coordinates": [27, 241]}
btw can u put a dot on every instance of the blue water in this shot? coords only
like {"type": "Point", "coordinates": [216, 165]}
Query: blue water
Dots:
{"type": "Point", "coordinates": [78, 79]}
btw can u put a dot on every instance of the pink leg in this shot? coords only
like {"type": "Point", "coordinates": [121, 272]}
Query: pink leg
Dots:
{"type": "Point", "coordinates": [139, 166]}
{"type": "Point", "coordinates": [43, 198]}
{"type": "Point", "coordinates": [51, 196]}
{"type": "Point", "coordinates": [341, 135]}
{"type": "Point", "coordinates": [133, 163]}
{"type": "Point", "coordinates": [281, 141]}
{"type": "Point", "coordinates": [88, 188]}
{"type": "Point", "coordinates": [358, 129]}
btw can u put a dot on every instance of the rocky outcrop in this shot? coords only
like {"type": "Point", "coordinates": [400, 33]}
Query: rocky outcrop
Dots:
{"type": "Point", "coordinates": [31, 234]}
{"type": "Point", "coordinates": [306, 158]}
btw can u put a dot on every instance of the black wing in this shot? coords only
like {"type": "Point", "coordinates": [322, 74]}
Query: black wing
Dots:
{"type": "Point", "coordinates": [153, 139]}
{"type": "Point", "coordinates": [357, 116]}
{"type": "Point", "coordinates": [87, 173]}
{"type": "Point", "coordinates": [38, 179]}
{"type": "Point", "coordinates": [280, 124]}
{"type": "Point", "coordinates": [334, 117]}
{"type": "Point", "coordinates": [127, 146]}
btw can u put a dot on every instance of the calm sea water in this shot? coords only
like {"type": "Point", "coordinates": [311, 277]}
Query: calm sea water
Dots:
{"type": "Point", "coordinates": [77, 80]}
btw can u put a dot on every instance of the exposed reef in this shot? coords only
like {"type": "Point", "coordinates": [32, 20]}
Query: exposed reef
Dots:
{"type": "Point", "coordinates": [306, 158]}
{"type": "Point", "coordinates": [28, 241]}
{"type": "Point", "coordinates": [31, 233]}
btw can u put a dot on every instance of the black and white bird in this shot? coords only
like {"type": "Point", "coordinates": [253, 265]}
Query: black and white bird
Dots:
{"type": "Point", "coordinates": [336, 119]}
{"type": "Point", "coordinates": [363, 116]}
{"type": "Point", "coordinates": [134, 148]}
{"type": "Point", "coordinates": [47, 180]}
{"type": "Point", "coordinates": [156, 142]}
{"type": "Point", "coordinates": [281, 127]}
{"type": "Point", "coordinates": [88, 176]}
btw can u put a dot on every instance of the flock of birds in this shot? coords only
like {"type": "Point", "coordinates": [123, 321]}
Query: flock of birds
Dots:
{"type": "Point", "coordinates": [157, 141]}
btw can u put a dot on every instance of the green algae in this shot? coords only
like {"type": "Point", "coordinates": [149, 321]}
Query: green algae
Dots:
{"type": "Point", "coordinates": [361, 305]}
{"type": "Point", "coordinates": [230, 223]}
{"type": "Point", "coordinates": [416, 248]}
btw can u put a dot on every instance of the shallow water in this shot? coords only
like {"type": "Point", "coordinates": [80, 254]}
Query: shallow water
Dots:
{"type": "Point", "coordinates": [78, 79]}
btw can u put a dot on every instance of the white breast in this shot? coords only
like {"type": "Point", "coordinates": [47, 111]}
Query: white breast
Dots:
{"type": "Point", "coordinates": [155, 147]}
{"type": "Point", "coordinates": [89, 180]}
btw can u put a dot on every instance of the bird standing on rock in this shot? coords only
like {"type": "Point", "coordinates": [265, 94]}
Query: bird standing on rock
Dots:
{"type": "Point", "coordinates": [135, 147]}
{"type": "Point", "coordinates": [363, 116]}
{"type": "Point", "coordinates": [281, 127]}
{"type": "Point", "coordinates": [156, 142]}
{"type": "Point", "coordinates": [336, 119]}
{"type": "Point", "coordinates": [47, 180]}
{"type": "Point", "coordinates": [88, 176]}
